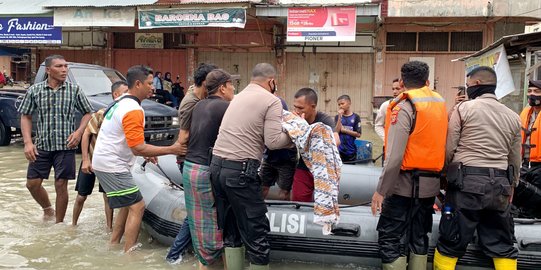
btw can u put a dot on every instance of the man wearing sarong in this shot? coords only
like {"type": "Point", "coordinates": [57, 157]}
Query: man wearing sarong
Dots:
{"type": "Point", "coordinates": [196, 93]}
{"type": "Point", "coordinates": [206, 119]}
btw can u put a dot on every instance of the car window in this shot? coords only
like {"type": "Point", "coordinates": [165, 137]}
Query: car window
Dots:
{"type": "Point", "coordinates": [95, 81]}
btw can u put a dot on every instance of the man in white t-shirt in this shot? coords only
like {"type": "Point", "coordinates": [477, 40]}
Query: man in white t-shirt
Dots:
{"type": "Point", "coordinates": [380, 118]}
{"type": "Point", "coordinates": [121, 138]}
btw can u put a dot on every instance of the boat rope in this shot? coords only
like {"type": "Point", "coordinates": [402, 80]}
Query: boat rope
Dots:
{"type": "Point", "coordinates": [171, 183]}
{"type": "Point", "coordinates": [301, 204]}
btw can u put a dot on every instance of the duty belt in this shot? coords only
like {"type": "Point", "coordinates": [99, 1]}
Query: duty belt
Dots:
{"type": "Point", "coordinates": [243, 166]}
{"type": "Point", "coordinates": [467, 170]}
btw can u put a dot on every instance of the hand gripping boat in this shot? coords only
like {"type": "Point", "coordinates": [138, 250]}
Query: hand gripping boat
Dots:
{"type": "Point", "coordinates": [293, 234]}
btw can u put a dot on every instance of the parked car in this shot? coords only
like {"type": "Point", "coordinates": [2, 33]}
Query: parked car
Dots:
{"type": "Point", "coordinates": [161, 121]}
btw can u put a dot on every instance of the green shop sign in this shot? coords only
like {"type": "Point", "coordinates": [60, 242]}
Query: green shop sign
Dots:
{"type": "Point", "coordinates": [177, 17]}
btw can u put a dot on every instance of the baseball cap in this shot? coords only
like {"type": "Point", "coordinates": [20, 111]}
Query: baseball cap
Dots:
{"type": "Point", "coordinates": [218, 77]}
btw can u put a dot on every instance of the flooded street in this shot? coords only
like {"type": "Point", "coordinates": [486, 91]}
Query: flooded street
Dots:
{"type": "Point", "coordinates": [26, 242]}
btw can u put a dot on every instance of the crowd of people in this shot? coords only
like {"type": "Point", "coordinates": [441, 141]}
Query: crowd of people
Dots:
{"type": "Point", "coordinates": [228, 166]}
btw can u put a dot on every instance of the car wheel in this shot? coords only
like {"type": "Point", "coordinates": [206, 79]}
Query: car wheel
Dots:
{"type": "Point", "coordinates": [5, 134]}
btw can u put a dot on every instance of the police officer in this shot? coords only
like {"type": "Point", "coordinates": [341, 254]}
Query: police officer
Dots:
{"type": "Point", "coordinates": [415, 130]}
{"type": "Point", "coordinates": [483, 148]}
{"type": "Point", "coordinates": [528, 192]}
{"type": "Point", "coordinates": [252, 121]}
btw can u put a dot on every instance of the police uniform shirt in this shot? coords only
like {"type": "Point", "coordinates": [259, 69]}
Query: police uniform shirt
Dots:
{"type": "Point", "coordinates": [484, 133]}
{"type": "Point", "coordinates": [392, 181]}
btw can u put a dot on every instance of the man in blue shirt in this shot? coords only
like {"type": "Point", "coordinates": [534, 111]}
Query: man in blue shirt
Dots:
{"type": "Point", "coordinates": [348, 126]}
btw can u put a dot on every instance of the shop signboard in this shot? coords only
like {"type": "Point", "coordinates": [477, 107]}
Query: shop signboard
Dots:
{"type": "Point", "coordinates": [93, 16]}
{"type": "Point", "coordinates": [177, 17]}
{"type": "Point", "coordinates": [29, 30]}
{"type": "Point", "coordinates": [321, 24]}
{"type": "Point", "coordinates": [149, 40]}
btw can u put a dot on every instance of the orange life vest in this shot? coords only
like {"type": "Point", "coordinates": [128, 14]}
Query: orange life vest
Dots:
{"type": "Point", "coordinates": [425, 150]}
{"type": "Point", "coordinates": [535, 138]}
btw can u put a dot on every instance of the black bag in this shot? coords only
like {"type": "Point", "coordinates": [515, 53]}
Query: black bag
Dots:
{"type": "Point", "coordinates": [533, 176]}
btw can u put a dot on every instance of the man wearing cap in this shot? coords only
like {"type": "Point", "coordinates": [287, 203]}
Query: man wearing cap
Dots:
{"type": "Point", "coordinates": [483, 148]}
{"type": "Point", "coordinates": [206, 118]}
{"type": "Point", "coordinates": [196, 92]}
{"type": "Point", "coordinates": [252, 121]}
{"type": "Point", "coordinates": [527, 194]}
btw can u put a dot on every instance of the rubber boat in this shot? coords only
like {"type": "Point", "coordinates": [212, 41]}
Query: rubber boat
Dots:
{"type": "Point", "coordinates": [295, 237]}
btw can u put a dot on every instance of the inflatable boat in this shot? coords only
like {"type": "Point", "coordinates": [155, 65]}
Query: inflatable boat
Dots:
{"type": "Point", "coordinates": [293, 234]}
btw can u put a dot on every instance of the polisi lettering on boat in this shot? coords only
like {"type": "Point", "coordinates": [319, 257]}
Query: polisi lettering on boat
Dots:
{"type": "Point", "coordinates": [14, 23]}
{"type": "Point", "coordinates": [287, 223]}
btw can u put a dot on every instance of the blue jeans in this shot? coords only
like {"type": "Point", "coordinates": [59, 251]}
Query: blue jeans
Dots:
{"type": "Point", "coordinates": [182, 241]}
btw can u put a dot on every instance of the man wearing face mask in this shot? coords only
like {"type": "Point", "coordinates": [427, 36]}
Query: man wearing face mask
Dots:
{"type": "Point", "coordinates": [482, 152]}
{"type": "Point", "coordinates": [252, 121]}
{"type": "Point", "coordinates": [527, 194]}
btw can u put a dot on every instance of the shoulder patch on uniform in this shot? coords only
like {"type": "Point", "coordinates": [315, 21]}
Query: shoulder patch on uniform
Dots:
{"type": "Point", "coordinates": [394, 114]}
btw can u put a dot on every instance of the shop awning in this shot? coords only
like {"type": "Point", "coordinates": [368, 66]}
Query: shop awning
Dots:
{"type": "Point", "coordinates": [96, 3]}
{"type": "Point", "coordinates": [30, 8]}
{"type": "Point", "coordinates": [513, 44]}
{"type": "Point", "coordinates": [9, 51]}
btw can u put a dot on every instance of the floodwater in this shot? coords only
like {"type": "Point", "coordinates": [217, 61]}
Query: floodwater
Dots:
{"type": "Point", "coordinates": [26, 242]}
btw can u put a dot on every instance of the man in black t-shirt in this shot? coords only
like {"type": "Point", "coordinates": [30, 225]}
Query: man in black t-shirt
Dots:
{"type": "Point", "coordinates": [305, 105]}
{"type": "Point", "coordinates": [206, 119]}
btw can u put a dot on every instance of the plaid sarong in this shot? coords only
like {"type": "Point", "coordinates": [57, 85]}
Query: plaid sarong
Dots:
{"type": "Point", "coordinates": [206, 238]}
{"type": "Point", "coordinates": [318, 150]}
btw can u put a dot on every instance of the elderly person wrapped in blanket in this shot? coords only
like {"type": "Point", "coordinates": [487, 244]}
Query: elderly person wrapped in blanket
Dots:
{"type": "Point", "coordinates": [318, 149]}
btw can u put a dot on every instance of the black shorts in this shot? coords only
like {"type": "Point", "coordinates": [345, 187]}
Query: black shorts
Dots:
{"type": "Point", "coordinates": [281, 174]}
{"type": "Point", "coordinates": [85, 183]}
{"type": "Point", "coordinates": [62, 161]}
{"type": "Point", "coordinates": [346, 157]}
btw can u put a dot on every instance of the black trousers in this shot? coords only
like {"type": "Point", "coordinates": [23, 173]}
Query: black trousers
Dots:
{"type": "Point", "coordinates": [404, 224]}
{"type": "Point", "coordinates": [241, 211]}
{"type": "Point", "coordinates": [482, 205]}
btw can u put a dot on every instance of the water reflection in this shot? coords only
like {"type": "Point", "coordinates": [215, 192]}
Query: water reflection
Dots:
{"type": "Point", "coordinates": [26, 242]}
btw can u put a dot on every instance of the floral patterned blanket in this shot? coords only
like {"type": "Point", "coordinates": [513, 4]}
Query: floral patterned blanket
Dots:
{"type": "Point", "coordinates": [318, 149]}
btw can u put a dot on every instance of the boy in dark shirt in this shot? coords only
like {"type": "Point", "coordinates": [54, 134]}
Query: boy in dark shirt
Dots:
{"type": "Point", "coordinates": [348, 125]}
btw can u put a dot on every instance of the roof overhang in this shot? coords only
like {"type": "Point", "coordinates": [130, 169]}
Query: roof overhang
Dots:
{"type": "Point", "coordinates": [513, 44]}
{"type": "Point", "coordinates": [29, 8]}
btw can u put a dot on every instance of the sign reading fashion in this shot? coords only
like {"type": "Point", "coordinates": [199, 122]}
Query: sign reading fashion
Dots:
{"type": "Point", "coordinates": [29, 30]}
{"type": "Point", "coordinates": [176, 17]}
{"type": "Point", "coordinates": [321, 24]}
{"type": "Point", "coordinates": [149, 40]}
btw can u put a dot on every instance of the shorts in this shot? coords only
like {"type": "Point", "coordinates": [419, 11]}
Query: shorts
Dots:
{"type": "Point", "coordinates": [280, 174]}
{"type": "Point", "coordinates": [120, 188]}
{"type": "Point", "coordinates": [303, 186]}
{"type": "Point", "coordinates": [85, 183]}
{"type": "Point", "coordinates": [348, 157]}
{"type": "Point", "coordinates": [62, 161]}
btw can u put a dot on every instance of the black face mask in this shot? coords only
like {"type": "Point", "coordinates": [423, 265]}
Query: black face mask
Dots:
{"type": "Point", "coordinates": [480, 89]}
{"type": "Point", "coordinates": [534, 100]}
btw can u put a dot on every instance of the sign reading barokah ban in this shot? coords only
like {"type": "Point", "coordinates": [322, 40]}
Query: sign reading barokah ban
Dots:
{"type": "Point", "coordinates": [161, 18]}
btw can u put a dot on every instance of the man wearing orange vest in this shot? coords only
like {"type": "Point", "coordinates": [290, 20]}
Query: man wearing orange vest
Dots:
{"type": "Point", "coordinates": [528, 192]}
{"type": "Point", "coordinates": [415, 132]}
{"type": "Point", "coordinates": [483, 148]}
